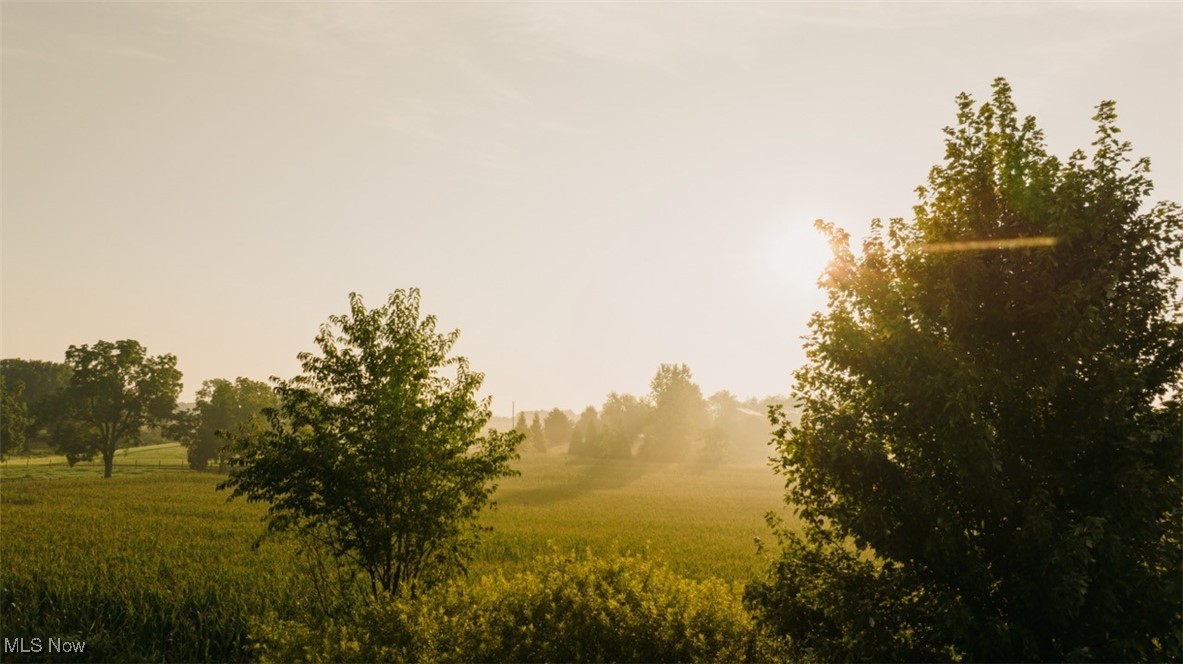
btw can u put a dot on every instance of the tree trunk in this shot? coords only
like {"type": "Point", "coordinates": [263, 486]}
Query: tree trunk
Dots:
{"type": "Point", "coordinates": [108, 461]}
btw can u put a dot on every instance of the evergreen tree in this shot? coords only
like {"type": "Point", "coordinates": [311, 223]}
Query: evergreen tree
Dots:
{"type": "Point", "coordinates": [536, 438]}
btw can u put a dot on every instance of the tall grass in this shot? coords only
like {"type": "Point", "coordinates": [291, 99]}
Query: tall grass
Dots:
{"type": "Point", "coordinates": [155, 567]}
{"type": "Point", "coordinates": [160, 567]}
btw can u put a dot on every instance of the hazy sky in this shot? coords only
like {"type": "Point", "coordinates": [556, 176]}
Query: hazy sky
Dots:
{"type": "Point", "coordinates": [585, 190]}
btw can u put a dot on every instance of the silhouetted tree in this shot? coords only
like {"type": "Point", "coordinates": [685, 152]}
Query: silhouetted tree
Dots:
{"type": "Point", "coordinates": [988, 460]}
{"type": "Point", "coordinates": [222, 408]}
{"type": "Point", "coordinates": [115, 389]}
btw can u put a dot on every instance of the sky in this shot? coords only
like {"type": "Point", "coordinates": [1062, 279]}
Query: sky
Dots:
{"type": "Point", "coordinates": [585, 190]}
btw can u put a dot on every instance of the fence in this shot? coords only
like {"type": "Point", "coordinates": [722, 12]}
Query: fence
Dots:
{"type": "Point", "coordinates": [42, 462]}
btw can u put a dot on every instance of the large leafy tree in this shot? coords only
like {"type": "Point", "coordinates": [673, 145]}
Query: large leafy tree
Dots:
{"type": "Point", "coordinates": [223, 408]}
{"type": "Point", "coordinates": [115, 390]}
{"type": "Point", "coordinates": [376, 449]}
{"type": "Point", "coordinates": [679, 414]}
{"type": "Point", "coordinates": [988, 458]}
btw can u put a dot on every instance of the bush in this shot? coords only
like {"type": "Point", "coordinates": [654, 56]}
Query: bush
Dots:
{"type": "Point", "coordinates": [571, 608]}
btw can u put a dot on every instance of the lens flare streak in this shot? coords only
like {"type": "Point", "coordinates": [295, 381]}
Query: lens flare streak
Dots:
{"type": "Point", "coordinates": [989, 245]}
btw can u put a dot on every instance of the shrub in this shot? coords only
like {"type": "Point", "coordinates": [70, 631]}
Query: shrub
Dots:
{"type": "Point", "coordinates": [571, 608]}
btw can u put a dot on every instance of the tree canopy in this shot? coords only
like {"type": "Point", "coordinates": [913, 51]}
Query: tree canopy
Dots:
{"type": "Point", "coordinates": [35, 383]}
{"type": "Point", "coordinates": [115, 389]}
{"type": "Point", "coordinates": [624, 420]}
{"type": "Point", "coordinates": [14, 418]}
{"type": "Point", "coordinates": [585, 439]}
{"type": "Point", "coordinates": [376, 448]}
{"type": "Point", "coordinates": [987, 461]}
{"type": "Point", "coordinates": [536, 435]}
{"type": "Point", "coordinates": [223, 408]}
{"type": "Point", "coordinates": [557, 428]}
{"type": "Point", "coordinates": [678, 416]}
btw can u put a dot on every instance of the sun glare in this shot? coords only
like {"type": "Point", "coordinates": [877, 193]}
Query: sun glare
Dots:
{"type": "Point", "coordinates": [796, 255]}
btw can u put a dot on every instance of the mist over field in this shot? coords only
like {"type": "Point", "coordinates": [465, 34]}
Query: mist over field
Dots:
{"type": "Point", "coordinates": [556, 332]}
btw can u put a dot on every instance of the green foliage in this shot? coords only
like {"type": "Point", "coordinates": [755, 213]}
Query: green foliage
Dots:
{"type": "Point", "coordinates": [988, 458]}
{"type": "Point", "coordinates": [375, 451]}
{"type": "Point", "coordinates": [115, 390]}
{"type": "Point", "coordinates": [836, 605]}
{"type": "Point", "coordinates": [159, 567]}
{"type": "Point", "coordinates": [223, 408]}
{"type": "Point", "coordinates": [679, 414]}
{"type": "Point", "coordinates": [14, 418]}
{"type": "Point", "coordinates": [145, 568]}
{"type": "Point", "coordinates": [41, 380]}
{"type": "Point", "coordinates": [572, 609]}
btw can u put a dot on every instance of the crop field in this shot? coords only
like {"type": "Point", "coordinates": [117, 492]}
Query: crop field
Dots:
{"type": "Point", "coordinates": [155, 564]}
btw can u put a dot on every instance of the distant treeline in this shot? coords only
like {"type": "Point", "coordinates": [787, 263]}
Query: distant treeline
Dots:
{"type": "Point", "coordinates": [106, 396]}
{"type": "Point", "coordinates": [76, 407]}
{"type": "Point", "coordinates": [674, 422]}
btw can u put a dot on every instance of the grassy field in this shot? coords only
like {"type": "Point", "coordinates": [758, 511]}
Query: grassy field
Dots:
{"type": "Point", "coordinates": [702, 522]}
{"type": "Point", "coordinates": [131, 461]}
{"type": "Point", "coordinates": [155, 564]}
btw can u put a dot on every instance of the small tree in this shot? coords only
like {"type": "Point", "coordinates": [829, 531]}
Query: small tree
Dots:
{"type": "Point", "coordinates": [115, 389]}
{"type": "Point", "coordinates": [536, 437]}
{"type": "Point", "coordinates": [588, 441]}
{"type": "Point", "coordinates": [557, 427]}
{"type": "Point", "coordinates": [575, 443]}
{"type": "Point", "coordinates": [375, 451]}
{"type": "Point", "coordinates": [988, 459]}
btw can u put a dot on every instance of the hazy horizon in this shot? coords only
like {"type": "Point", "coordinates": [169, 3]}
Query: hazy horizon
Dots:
{"type": "Point", "coordinates": [585, 190]}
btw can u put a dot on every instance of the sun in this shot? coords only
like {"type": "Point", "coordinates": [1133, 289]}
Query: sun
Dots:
{"type": "Point", "coordinates": [795, 255]}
